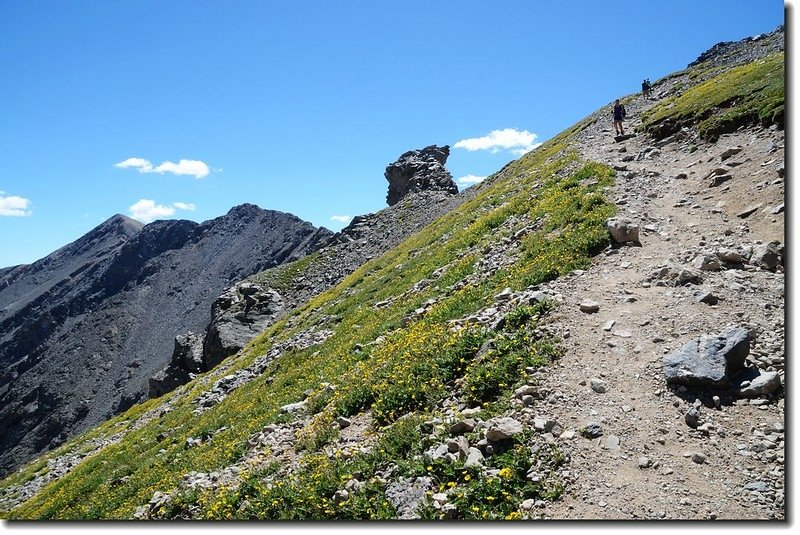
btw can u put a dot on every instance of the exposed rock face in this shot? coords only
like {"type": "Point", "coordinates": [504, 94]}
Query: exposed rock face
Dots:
{"type": "Point", "coordinates": [237, 316]}
{"type": "Point", "coordinates": [83, 330]}
{"type": "Point", "coordinates": [187, 359]}
{"type": "Point", "coordinates": [419, 170]}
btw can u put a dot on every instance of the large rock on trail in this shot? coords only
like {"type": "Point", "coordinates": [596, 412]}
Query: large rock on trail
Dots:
{"type": "Point", "coordinates": [709, 361]}
{"type": "Point", "coordinates": [419, 170]}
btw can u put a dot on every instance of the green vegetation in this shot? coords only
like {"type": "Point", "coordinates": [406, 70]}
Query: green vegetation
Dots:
{"type": "Point", "coordinates": [390, 361]}
{"type": "Point", "coordinates": [748, 94]}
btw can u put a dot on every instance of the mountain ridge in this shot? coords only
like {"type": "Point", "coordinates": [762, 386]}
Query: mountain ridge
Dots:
{"type": "Point", "coordinates": [502, 362]}
{"type": "Point", "coordinates": [101, 280]}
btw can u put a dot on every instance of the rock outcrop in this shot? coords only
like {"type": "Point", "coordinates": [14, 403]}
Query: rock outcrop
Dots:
{"type": "Point", "coordinates": [237, 316]}
{"type": "Point", "coordinates": [250, 306]}
{"type": "Point", "coordinates": [734, 53]}
{"type": "Point", "coordinates": [419, 170]}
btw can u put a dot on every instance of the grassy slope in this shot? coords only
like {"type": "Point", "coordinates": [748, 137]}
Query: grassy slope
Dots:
{"type": "Point", "coordinates": [748, 94]}
{"type": "Point", "coordinates": [544, 185]}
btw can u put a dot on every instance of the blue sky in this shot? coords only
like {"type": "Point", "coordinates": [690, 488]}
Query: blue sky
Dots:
{"type": "Point", "coordinates": [299, 106]}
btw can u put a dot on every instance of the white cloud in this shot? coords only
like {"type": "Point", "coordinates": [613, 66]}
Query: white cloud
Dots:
{"type": "Point", "coordinates": [146, 210]}
{"type": "Point", "coordinates": [469, 180]}
{"type": "Point", "coordinates": [516, 141]}
{"type": "Point", "coordinates": [341, 218]}
{"type": "Point", "coordinates": [14, 206]}
{"type": "Point", "coordinates": [143, 165]}
{"type": "Point", "coordinates": [195, 168]}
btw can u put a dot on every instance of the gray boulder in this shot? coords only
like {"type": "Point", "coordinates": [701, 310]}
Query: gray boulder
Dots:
{"type": "Point", "coordinates": [730, 256]}
{"type": "Point", "coordinates": [764, 384]}
{"type": "Point", "coordinates": [187, 358]}
{"type": "Point", "coordinates": [767, 256]}
{"type": "Point", "coordinates": [623, 230]}
{"type": "Point", "coordinates": [407, 494]}
{"type": "Point", "coordinates": [502, 429]}
{"type": "Point", "coordinates": [707, 262]}
{"type": "Point", "coordinates": [238, 315]}
{"type": "Point", "coordinates": [709, 361]}
{"type": "Point", "coordinates": [419, 170]}
{"type": "Point", "coordinates": [474, 458]}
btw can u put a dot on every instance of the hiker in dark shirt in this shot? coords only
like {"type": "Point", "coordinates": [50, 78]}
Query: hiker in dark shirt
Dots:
{"type": "Point", "coordinates": [619, 115]}
{"type": "Point", "coordinates": [645, 88]}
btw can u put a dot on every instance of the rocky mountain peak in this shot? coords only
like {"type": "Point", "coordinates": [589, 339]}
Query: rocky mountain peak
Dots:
{"type": "Point", "coordinates": [419, 170]}
{"type": "Point", "coordinates": [244, 210]}
{"type": "Point", "coordinates": [117, 225]}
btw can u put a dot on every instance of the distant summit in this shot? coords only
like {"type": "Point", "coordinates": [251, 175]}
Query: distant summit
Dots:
{"type": "Point", "coordinates": [419, 170]}
{"type": "Point", "coordinates": [729, 53]}
{"type": "Point", "coordinates": [83, 329]}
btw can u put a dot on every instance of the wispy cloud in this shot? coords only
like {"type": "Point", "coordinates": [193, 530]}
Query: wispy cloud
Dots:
{"type": "Point", "coordinates": [517, 141]}
{"type": "Point", "coordinates": [147, 210]}
{"type": "Point", "coordinates": [195, 168]}
{"type": "Point", "coordinates": [341, 218]}
{"type": "Point", "coordinates": [14, 206]}
{"type": "Point", "coordinates": [468, 180]}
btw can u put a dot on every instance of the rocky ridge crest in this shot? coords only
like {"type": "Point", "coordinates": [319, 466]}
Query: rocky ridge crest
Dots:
{"type": "Point", "coordinates": [83, 329]}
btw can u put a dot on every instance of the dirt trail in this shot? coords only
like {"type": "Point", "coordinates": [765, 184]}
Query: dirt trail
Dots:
{"type": "Point", "coordinates": [650, 472]}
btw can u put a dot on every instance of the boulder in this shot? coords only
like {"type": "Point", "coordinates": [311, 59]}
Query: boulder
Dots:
{"type": "Point", "coordinates": [707, 262]}
{"type": "Point", "coordinates": [238, 315]}
{"type": "Point", "coordinates": [730, 151]}
{"type": "Point", "coordinates": [730, 256]}
{"type": "Point", "coordinates": [717, 180]}
{"type": "Point", "coordinates": [767, 256]}
{"type": "Point", "coordinates": [474, 457]}
{"type": "Point", "coordinates": [187, 358]}
{"type": "Point", "coordinates": [709, 361]}
{"type": "Point", "coordinates": [419, 170]}
{"type": "Point", "coordinates": [463, 426]}
{"type": "Point", "coordinates": [764, 384]}
{"type": "Point", "coordinates": [750, 210]}
{"type": "Point", "coordinates": [502, 429]}
{"type": "Point", "coordinates": [623, 230]}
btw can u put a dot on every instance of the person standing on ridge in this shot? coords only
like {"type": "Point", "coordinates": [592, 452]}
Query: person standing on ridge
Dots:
{"type": "Point", "coordinates": [619, 115]}
{"type": "Point", "coordinates": [645, 88]}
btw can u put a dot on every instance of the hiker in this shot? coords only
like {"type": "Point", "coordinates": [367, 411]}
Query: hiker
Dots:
{"type": "Point", "coordinates": [619, 115]}
{"type": "Point", "coordinates": [645, 88]}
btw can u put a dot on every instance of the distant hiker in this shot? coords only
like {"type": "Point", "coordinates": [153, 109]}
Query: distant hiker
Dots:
{"type": "Point", "coordinates": [645, 88]}
{"type": "Point", "coordinates": [619, 115]}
